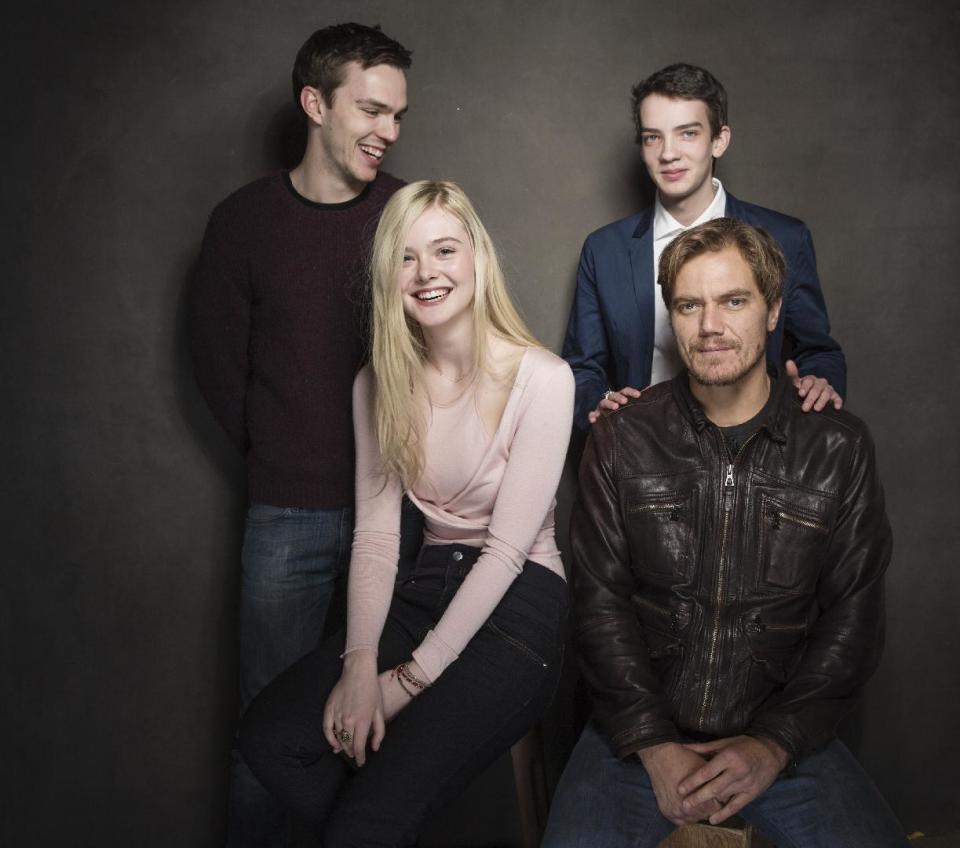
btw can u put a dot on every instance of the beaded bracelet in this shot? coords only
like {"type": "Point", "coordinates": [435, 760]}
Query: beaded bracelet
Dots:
{"type": "Point", "coordinates": [404, 673]}
{"type": "Point", "coordinates": [402, 684]}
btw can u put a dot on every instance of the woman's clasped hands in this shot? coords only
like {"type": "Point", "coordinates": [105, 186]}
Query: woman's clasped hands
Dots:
{"type": "Point", "coordinates": [361, 704]}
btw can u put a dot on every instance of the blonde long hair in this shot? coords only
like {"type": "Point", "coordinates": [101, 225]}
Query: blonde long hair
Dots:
{"type": "Point", "coordinates": [399, 352]}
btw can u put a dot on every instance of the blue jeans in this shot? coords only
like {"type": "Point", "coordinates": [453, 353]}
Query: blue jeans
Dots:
{"type": "Point", "coordinates": [485, 701]}
{"type": "Point", "coordinates": [291, 561]}
{"type": "Point", "coordinates": [828, 802]}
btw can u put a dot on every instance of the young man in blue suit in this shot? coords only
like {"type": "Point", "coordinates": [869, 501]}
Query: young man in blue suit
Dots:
{"type": "Point", "coordinates": [618, 337]}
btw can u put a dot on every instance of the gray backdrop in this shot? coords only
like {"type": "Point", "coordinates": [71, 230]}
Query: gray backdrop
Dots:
{"type": "Point", "coordinates": [121, 500]}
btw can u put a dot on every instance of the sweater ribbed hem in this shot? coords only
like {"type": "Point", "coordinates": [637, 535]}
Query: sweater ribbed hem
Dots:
{"type": "Point", "coordinates": [300, 494]}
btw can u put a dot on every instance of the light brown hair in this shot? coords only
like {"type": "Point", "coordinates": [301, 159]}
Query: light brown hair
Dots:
{"type": "Point", "coordinates": [757, 247]}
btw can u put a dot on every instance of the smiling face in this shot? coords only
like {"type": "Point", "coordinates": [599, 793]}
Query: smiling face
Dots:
{"type": "Point", "coordinates": [720, 318]}
{"type": "Point", "coordinates": [678, 150]}
{"type": "Point", "coordinates": [361, 122]}
{"type": "Point", "coordinates": [438, 271]}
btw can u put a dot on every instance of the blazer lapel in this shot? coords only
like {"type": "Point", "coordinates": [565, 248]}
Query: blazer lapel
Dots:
{"type": "Point", "coordinates": [636, 352]}
{"type": "Point", "coordinates": [641, 267]}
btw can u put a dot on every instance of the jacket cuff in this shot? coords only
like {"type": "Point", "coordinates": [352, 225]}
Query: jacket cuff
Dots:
{"type": "Point", "coordinates": [789, 742]}
{"type": "Point", "coordinates": [631, 740]}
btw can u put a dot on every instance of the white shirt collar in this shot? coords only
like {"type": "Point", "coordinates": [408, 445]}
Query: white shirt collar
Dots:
{"type": "Point", "coordinates": [666, 226]}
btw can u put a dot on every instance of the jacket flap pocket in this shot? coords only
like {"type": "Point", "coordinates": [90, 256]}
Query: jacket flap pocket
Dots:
{"type": "Point", "coordinates": [777, 646]}
{"type": "Point", "coordinates": [664, 626]}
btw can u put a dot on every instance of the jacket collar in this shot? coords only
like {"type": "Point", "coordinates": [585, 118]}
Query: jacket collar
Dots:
{"type": "Point", "coordinates": [775, 425]}
{"type": "Point", "coordinates": [733, 209]}
{"type": "Point", "coordinates": [644, 223]}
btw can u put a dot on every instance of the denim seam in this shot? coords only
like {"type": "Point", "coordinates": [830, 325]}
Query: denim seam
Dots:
{"type": "Point", "coordinates": [516, 643]}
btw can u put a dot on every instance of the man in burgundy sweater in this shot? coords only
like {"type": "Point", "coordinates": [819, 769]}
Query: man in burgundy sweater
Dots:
{"type": "Point", "coordinates": [276, 335]}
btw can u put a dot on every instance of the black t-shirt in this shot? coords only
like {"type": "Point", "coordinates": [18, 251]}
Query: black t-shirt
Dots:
{"type": "Point", "coordinates": [737, 435]}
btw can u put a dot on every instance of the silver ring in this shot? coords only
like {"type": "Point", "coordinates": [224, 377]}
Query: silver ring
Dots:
{"type": "Point", "coordinates": [607, 393]}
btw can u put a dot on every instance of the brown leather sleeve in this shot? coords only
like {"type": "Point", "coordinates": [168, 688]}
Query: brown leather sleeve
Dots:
{"type": "Point", "coordinates": [629, 706]}
{"type": "Point", "coordinates": [845, 643]}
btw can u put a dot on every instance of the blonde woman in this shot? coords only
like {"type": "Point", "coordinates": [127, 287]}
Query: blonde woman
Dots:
{"type": "Point", "coordinates": [449, 659]}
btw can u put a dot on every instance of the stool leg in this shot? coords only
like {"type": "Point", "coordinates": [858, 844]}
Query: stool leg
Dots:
{"type": "Point", "coordinates": [529, 775]}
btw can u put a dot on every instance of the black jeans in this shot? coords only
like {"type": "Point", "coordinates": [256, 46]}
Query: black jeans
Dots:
{"type": "Point", "coordinates": [481, 704]}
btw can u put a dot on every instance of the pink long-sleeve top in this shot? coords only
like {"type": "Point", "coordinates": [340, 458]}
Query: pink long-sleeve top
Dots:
{"type": "Point", "coordinates": [494, 492]}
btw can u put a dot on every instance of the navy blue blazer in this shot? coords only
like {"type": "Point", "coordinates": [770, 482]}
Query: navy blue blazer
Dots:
{"type": "Point", "coordinates": [609, 342]}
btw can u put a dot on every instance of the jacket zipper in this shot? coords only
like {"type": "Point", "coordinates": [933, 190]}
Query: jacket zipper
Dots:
{"type": "Point", "coordinates": [672, 508]}
{"type": "Point", "coordinates": [729, 491]}
{"type": "Point", "coordinates": [758, 626]}
{"type": "Point", "coordinates": [779, 515]}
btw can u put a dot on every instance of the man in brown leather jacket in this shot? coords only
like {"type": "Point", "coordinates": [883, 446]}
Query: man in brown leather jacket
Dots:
{"type": "Point", "coordinates": [729, 553]}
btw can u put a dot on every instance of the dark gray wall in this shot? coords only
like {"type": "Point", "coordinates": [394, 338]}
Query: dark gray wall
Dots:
{"type": "Point", "coordinates": [126, 122]}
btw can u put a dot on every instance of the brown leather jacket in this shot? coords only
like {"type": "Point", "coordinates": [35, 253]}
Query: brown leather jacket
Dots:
{"type": "Point", "coordinates": [714, 598]}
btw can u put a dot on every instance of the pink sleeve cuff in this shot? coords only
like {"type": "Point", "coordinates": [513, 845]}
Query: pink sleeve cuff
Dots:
{"type": "Point", "coordinates": [433, 655]}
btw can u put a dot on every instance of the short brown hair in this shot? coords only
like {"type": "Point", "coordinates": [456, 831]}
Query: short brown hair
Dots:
{"type": "Point", "coordinates": [684, 82]}
{"type": "Point", "coordinates": [757, 247]}
{"type": "Point", "coordinates": [323, 59]}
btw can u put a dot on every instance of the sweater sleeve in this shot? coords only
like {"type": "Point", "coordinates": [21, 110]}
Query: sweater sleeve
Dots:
{"type": "Point", "coordinates": [220, 324]}
{"type": "Point", "coordinates": [376, 534]}
{"type": "Point", "coordinates": [536, 456]}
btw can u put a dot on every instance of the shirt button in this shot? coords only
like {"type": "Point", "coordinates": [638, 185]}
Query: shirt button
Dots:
{"type": "Point", "coordinates": [456, 556]}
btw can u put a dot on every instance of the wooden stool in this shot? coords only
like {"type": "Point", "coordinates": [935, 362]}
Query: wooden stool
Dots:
{"type": "Point", "coordinates": [506, 805]}
{"type": "Point", "coordinates": [530, 778]}
{"type": "Point", "coordinates": [735, 834]}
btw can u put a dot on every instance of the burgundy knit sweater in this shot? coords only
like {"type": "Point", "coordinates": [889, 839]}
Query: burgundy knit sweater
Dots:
{"type": "Point", "coordinates": [277, 314]}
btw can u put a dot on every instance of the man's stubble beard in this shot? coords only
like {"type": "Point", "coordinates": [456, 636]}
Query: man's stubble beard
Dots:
{"type": "Point", "coordinates": [705, 379]}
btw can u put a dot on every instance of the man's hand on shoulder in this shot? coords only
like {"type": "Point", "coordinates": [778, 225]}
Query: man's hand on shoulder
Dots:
{"type": "Point", "coordinates": [815, 391]}
{"type": "Point", "coordinates": [669, 764]}
{"type": "Point", "coordinates": [740, 769]}
{"type": "Point", "coordinates": [611, 401]}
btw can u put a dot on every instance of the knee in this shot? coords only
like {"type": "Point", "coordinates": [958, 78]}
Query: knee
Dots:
{"type": "Point", "coordinates": [356, 825]}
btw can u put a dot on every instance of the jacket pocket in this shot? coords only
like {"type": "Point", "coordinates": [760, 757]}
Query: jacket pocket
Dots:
{"type": "Point", "coordinates": [661, 531]}
{"type": "Point", "coordinates": [775, 647]}
{"type": "Point", "coordinates": [791, 545]}
{"type": "Point", "coordinates": [665, 632]}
